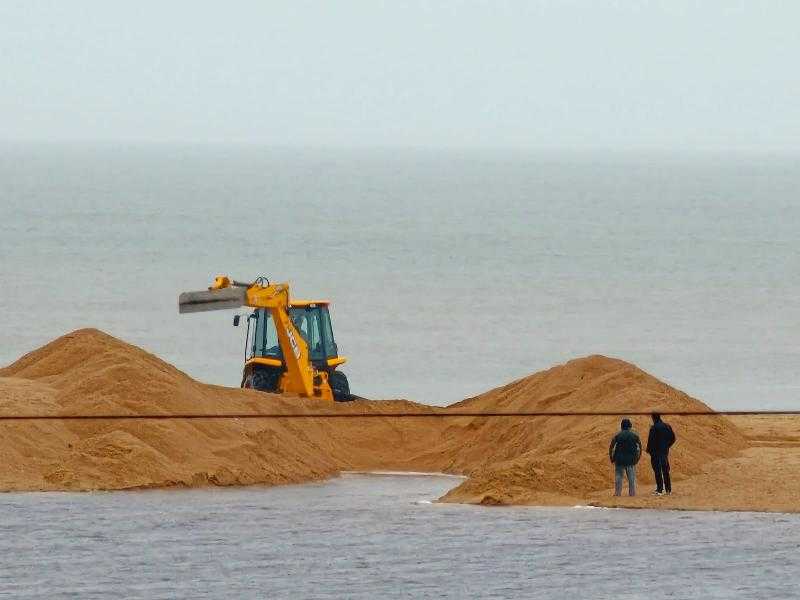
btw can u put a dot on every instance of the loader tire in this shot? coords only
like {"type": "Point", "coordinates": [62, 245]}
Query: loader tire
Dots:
{"type": "Point", "coordinates": [339, 386]}
{"type": "Point", "coordinates": [265, 380]}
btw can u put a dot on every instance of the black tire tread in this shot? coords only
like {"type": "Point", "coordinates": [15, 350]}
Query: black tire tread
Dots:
{"type": "Point", "coordinates": [340, 387]}
{"type": "Point", "coordinates": [265, 380]}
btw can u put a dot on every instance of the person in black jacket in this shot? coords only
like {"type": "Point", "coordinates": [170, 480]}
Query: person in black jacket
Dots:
{"type": "Point", "coordinates": [624, 452]}
{"type": "Point", "coordinates": [659, 441]}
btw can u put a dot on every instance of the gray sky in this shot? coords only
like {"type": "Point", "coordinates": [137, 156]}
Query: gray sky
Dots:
{"type": "Point", "coordinates": [673, 74]}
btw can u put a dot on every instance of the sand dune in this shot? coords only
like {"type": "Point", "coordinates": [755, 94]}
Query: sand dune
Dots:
{"type": "Point", "coordinates": [530, 460]}
{"type": "Point", "coordinates": [518, 460]}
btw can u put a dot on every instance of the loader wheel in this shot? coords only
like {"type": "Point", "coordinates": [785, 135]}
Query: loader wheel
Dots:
{"type": "Point", "coordinates": [265, 380]}
{"type": "Point", "coordinates": [339, 386]}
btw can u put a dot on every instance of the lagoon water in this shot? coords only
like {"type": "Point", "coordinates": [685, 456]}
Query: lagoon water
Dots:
{"type": "Point", "coordinates": [380, 537]}
{"type": "Point", "coordinates": [450, 273]}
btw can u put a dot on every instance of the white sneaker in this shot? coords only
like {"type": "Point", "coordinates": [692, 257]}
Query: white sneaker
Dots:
{"type": "Point", "coordinates": [657, 493]}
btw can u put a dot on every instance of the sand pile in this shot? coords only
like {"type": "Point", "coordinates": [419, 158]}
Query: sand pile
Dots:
{"type": "Point", "coordinates": [89, 372]}
{"type": "Point", "coordinates": [532, 460]}
{"type": "Point", "coordinates": [509, 460]}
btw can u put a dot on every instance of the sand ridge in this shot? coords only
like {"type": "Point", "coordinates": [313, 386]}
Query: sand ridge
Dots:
{"type": "Point", "coordinates": [528, 460]}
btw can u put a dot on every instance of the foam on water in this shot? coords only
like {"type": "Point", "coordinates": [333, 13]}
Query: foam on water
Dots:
{"type": "Point", "coordinates": [401, 474]}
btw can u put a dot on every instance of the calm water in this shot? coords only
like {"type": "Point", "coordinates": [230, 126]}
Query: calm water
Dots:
{"type": "Point", "coordinates": [450, 274]}
{"type": "Point", "coordinates": [378, 537]}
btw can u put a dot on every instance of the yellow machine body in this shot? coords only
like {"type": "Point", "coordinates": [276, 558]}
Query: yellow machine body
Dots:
{"type": "Point", "coordinates": [298, 373]}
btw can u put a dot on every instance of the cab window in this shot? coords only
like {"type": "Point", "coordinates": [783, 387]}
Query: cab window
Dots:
{"type": "Point", "coordinates": [265, 339]}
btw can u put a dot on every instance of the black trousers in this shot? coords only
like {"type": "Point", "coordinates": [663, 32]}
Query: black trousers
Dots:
{"type": "Point", "coordinates": [660, 463]}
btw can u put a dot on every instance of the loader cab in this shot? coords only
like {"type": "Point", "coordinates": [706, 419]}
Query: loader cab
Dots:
{"type": "Point", "coordinates": [311, 319]}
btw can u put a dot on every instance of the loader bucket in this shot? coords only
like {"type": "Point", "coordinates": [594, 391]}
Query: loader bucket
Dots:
{"type": "Point", "coordinates": [232, 297]}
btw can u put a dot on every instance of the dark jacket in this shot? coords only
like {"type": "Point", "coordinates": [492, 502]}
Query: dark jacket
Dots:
{"type": "Point", "coordinates": [625, 448]}
{"type": "Point", "coordinates": [660, 439]}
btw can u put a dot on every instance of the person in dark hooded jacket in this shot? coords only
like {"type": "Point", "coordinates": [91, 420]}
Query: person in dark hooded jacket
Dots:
{"type": "Point", "coordinates": [624, 452]}
{"type": "Point", "coordinates": [659, 441]}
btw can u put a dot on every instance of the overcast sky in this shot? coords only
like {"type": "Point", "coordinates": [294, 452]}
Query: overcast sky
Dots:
{"type": "Point", "coordinates": [628, 74]}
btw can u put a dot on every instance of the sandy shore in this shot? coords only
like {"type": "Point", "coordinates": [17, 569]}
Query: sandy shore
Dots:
{"type": "Point", "coordinates": [718, 463]}
{"type": "Point", "coordinates": [763, 477]}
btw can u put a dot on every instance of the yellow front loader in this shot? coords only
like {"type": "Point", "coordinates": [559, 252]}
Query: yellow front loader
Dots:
{"type": "Point", "coordinates": [289, 343]}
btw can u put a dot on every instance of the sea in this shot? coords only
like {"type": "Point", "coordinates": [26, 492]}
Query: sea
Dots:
{"type": "Point", "coordinates": [450, 273]}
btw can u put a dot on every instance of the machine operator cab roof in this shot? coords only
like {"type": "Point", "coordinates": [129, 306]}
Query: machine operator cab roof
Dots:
{"type": "Point", "coordinates": [312, 319]}
{"type": "Point", "coordinates": [305, 303]}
